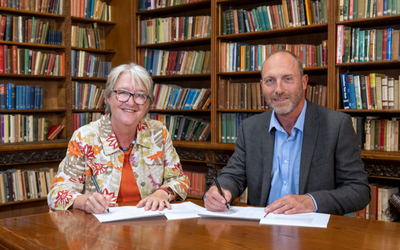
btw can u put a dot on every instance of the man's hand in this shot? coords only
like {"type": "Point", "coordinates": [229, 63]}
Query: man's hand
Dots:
{"type": "Point", "coordinates": [292, 204]}
{"type": "Point", "coordinates": [157, 200]}
{"type": "Point", "coordinates": [214, 201]}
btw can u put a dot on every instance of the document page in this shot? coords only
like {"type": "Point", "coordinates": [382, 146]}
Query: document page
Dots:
{"type": "Point", "coordinates": [125, 213]}
{"type": "Point", "coordinates": [300, 220]}
{"type": "Point", "coordinates": [234, 212]}
{"type": "Point", "coordinates": [185, 210]}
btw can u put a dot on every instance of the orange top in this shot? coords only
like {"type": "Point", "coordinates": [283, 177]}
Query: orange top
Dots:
{"type": "Point", "coordinates": [128, 190]}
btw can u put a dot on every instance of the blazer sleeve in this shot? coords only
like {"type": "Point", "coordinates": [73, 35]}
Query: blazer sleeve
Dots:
{"type": "Point", "coordinates": [352, 192]}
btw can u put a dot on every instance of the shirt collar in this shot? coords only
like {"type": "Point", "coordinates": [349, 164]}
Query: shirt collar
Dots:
{"type": "Point", "coordinates": [299, 125]}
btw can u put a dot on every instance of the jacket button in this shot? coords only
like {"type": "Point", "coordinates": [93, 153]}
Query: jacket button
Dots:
{"type": "Point", "coordinates": [142, 184]}
{"type": "Point", "coordinates": [135, 164]}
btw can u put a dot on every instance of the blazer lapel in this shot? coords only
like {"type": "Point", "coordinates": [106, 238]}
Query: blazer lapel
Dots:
{"type": "Point", "coordinates": [310, 135]}
{"type": "Point", "coordinates": [267, 142]}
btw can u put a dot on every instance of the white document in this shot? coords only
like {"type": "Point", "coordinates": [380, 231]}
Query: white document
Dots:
{"type": "Point", "coordinates": [184, 210]}
{"type": "Point", "coordinates": [300, 220]}
{"type": "Point", "coordinates": [234, 212]}
{"type": "Point", "coordinates": [125, 213]}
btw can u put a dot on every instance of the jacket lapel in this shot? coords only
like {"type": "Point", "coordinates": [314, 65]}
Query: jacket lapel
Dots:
{"type": "Point", "coordinates": [311, 126]}
{"type": "Point", "coordinates": [267, 142]}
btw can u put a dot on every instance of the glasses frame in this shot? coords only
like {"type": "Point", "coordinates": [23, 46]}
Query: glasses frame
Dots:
{"type": "Point", "coordinates": [130, 95]}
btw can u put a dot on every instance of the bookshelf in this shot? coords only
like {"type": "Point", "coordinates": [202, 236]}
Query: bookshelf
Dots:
{"type": "Point", "coordinates": [115, 40]}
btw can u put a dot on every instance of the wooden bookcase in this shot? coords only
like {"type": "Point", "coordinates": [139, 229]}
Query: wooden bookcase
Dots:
{"type": "Point", "coordinates": [116, 37]}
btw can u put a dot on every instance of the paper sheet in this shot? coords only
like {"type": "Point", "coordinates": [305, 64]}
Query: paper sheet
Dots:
{"type": "Point", "coordinates": [235, 212]}
{"type": "Point", "coordinates": [184, 210]}
{"type": "Point", "coordinates": [300, 220]}
{"type": "Point", "coordinates": [125, 213]}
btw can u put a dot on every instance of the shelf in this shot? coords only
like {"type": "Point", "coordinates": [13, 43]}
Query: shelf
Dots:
{"type": "Point", "coordinates": [191, 144]}
{"type": "Point", "coordinates": [204, 4]}
{"type": "Point", "coordinates": [372, 22]}
{"type": "Point", "coordinates": [87, 110]}
{"type": "Point", "coordinates": [188, 42]}
{"type": "Point", "coordinates": [34, 13]}
{"type": "Point", "coordinates": [258, 72]}
{"type": "Point", "coordinates": [23, 201]}
{"type": "Point", "coordinates": [88, 20]}
{"type": "Point", "coordinates": [34, 45]}
{"type": "Point", "coordinates": [17, 111]}
{"type": "Point", "coordinates": [75, 78]}
{"type": "Point", "coordinates": [180, 110]}
{"type": "Point", "coordinates": [37, 145]}
{"type": "Point", "coordinates": [276, 33]}
{"type": "Point", "coordinates": [380, 155]}
{"type": "Point", "coordinates": [242, 110]}
{"type": "Point", "coordinates": [374, 111]}
{"type": "Point", "coordinates": [182, 76]}
{"type": "Point", "coordinates": [384, 177]}
{"type": "Point", "coordinates": [370, 65]}
{"type": "Point", "coordinates": [99, 51]}
{"type": "Point", "coordinates": [33, 76]}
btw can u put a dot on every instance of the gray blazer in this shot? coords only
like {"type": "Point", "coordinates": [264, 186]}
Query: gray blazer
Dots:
{"type": "Point", "coordinates": [331, 169]}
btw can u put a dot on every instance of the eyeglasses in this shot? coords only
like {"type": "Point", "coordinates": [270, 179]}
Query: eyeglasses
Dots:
{"type": "Point", "coordinates": [138, 98]}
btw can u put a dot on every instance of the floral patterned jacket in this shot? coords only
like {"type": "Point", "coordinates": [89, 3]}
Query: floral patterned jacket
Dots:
{"type": "Point", "coordinates": [93, 149]}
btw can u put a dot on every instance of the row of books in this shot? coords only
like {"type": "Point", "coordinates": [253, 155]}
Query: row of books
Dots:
{"type": "Point", "coordinates": [360, 9]}
{"type": "Point", "coordinates": [230, 124]}
{"type": "Point", "coordinates": [23, 128]}
{"type": "Point", "coordinates": [377, 134]}
{"type": "Point", "coordinates": [373, 91]}
{"type": "Point", "coordinates": [43, 6]}
{"type": "Point", "coordinates": [152, 4]}
{"type": "Point", "coordinates": [86, 37]}
{"type": "Point", "coordinates": [197, 182]}
{"type": "Point", "coordinates": [291, 13]}
{"type": "Point", "coordinates": [20, 97]}
{"type": "Point", "coordinates": [29, 62]}
{"type": "Point", "coordinates": [379, 208]}
{"type": "Point", "coordinates": [239, 95]}
{"type": "Point", "coordinates": [317, 94]}
{"type": "Point", "coordinates": [84, 64]}
{"type": "Point", "coordinates": [164, 62]}
{"type": "Point", "coordinates": [81, 119]}
{"type": "Point", "coordinates": [236, 57]}
{"type": "Point", "coordinates": [87, 96]}
{"type": "Point", "coordinates": [30, 30]}
{"type": "Point", "coordinates": [369, 45]}
{"type": "Point", "coordinates": [176, 97]}
{"type": "Point", "coordinates": [184, 128]}
{"type": "Point", "coordinates": [93, 9]}
{"type": "Point", "coordinates": [169, 29]}
{"type": "Point", "coordinates": [19, 185]}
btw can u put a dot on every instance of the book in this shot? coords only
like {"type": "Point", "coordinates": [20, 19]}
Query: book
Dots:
{"type": "Point", "coordinates": [54, 131]}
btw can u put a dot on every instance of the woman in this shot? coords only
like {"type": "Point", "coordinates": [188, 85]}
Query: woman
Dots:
{"type": "Point", "coordinates": [131, 157]}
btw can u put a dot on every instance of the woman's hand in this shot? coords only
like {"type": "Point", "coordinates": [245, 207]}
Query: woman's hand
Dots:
{"type": "Point", "coordinates": [159, 199]}
{"type": "Point", "coordinates": [94, 203]}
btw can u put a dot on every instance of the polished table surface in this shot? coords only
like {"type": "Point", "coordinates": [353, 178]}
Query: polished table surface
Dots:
{"type": "Point", "coordinates": [75, 229]}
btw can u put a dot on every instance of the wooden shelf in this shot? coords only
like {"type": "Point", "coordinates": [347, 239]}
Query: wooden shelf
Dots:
{"type": "Point", "coordinates": [203, 4]}
{"type": "Point", "coordinates": [182, 76]}
{"type": "Point", "coordinates": [33, 13]}
{"type": "Point", "coordinates": [75, 78]}
{"type": "Point", "coordinates": [88, 110]}
{"type": "Point", "coordinates": [33, 76]}
{"type": "Point", "coordinates": [180, 110]}
{"type": "Point", "coordinates": [374, 111]}
{"type": "Point", "coordinates": [17, 111]}
{"type": "Point", "coordinates": [242, 110]}
{"type": "Point", "coordinates": [370, 65]}
{"type": "Point", "coordinates": [191, 144]}
{"type": "Point", "coordinates": [380, 155]}
{"type": "Point", "coordinates": [37, 145]}
{"type": "Point", "coordinates": [188, 42]}
{"type": "Point", "coordinates": [99, 51]}
{"type": "Point", "coordinates": [386, 178]}
{"type": "Point", "coordinates": [303, 30]}
{"type": "Point", "coordinates": [372, 22]}
{"type": "Point", "coordinates": [258, 72]}
{"type": "Point", "coordinates": [34, 45]}
{"type": "Point", "coordinates": [88, 20]}
{"type": "Point", "coordinates": [23, 201]}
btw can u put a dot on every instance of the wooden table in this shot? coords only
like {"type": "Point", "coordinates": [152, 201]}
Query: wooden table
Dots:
{"type": "Point", "coordinates": [75, 229]}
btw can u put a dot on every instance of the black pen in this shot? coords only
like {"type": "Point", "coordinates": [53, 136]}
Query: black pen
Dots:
{"type": "Point", "coordinates": [98, 189]}
{"type": "Point", "coordinates": [220, 191]}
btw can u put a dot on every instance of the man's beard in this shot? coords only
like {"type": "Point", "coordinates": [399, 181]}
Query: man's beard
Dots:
{"type": "Point", "coordinates": [283, 109]}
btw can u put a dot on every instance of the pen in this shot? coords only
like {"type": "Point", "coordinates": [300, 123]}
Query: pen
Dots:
{"type": "Point", "coordinates": [98, 189]}
{"type": "Point", "coordinates": [266, 214]}
{"type": "Point", "coordinates": [220, 191]}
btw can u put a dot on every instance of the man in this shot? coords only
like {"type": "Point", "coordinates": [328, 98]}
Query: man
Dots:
{"type": "Point", "coordinates": [297, 158]}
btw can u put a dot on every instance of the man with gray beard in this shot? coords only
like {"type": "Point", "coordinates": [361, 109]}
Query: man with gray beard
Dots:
{"type": "Point", "coordinates": [298, 157]}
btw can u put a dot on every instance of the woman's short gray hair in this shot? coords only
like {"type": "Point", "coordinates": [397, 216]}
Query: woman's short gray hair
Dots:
{"type": "Point", "coordinates": [138, 74]}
